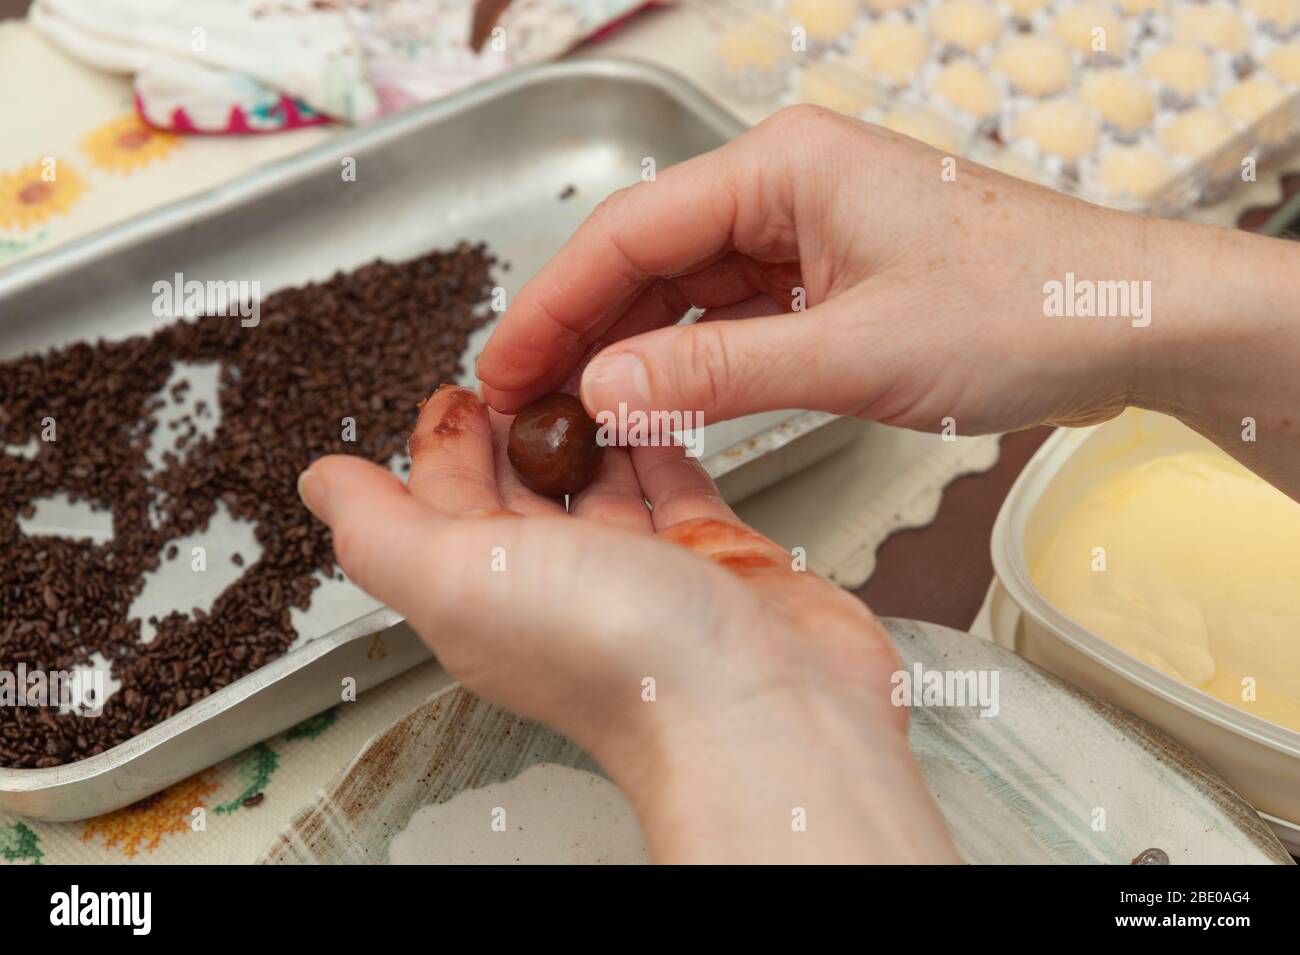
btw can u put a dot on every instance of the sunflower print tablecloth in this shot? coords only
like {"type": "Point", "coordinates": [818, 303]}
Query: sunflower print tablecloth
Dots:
{"type": "Point", "coordinates": [75, 157]}
{"type": "Point", "coordinates": [232, 811]}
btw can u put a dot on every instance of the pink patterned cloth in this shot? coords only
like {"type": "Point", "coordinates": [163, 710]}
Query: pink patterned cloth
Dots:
{"type": "Point", "coordinates": [259, 66]}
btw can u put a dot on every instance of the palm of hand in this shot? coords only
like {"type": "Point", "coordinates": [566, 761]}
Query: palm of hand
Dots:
{"type": "Point", "coordinates": [583, 620]}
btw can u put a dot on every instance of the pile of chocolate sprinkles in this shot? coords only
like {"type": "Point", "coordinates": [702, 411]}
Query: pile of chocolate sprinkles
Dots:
{"type": "Point", "coordinates": [369, 344]}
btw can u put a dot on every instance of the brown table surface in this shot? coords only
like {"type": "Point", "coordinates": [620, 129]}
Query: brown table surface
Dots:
{"type": "Point", "coordinates": [941, 572]}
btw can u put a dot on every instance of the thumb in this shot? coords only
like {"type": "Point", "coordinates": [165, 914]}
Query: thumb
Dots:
{"type": "Point", "coordinates": [728, 368]}
{"type": "Point", "coordinates": [380, 530]}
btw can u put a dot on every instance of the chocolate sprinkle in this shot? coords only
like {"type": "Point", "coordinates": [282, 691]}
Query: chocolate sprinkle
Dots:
{"type": "Point", "coordinates": [369, 345]}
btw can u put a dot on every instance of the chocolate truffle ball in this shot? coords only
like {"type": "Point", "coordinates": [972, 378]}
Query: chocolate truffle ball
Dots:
{"type": "Point", "coordinates": [553, 446]}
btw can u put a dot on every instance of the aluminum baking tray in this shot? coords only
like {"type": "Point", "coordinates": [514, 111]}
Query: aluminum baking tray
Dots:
{"type": "Point", "coordinates": [489, 164]}
{"type": "Point", "coordinates": [1249, 101]}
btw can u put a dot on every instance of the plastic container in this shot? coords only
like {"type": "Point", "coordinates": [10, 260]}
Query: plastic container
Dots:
{"type": "Point", "coordinates": [965, 83]}
{"type": "Point", "coordinates": [1260, 759]}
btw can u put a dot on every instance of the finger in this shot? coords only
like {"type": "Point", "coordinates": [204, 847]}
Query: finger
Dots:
{"type": "Point", "coordinates": [513, 493]}
{"type": "Point", "coordinates": [689, 216]}
{"type": "Point", "coordinates": [759, 306]}
{"type": "Point", "coordinates": [725, 369]}
{"type": "Point", "coordinates": [451, 454]}
{"type": "Point", "coordinates": [734, 287]}
{"type": "Point", "coordinates": [738, 287]}
{"type": "Point", "coordinates": [381, 531]}
{"type": "Point", "coordinates": [677, 487]}
{"type": "Point", "coordinates": [615, 496]}
{"type": "Point", "coordinates": [736, 277]}
{"type": "Point", "coordinates": [657, 305]}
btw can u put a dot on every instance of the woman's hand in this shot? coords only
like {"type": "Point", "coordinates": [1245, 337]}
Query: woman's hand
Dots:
{"type": "Point", "coordinates": [923, 284]}
{"type": "Point", "coordinates": [923, 297]}
{"type": "Point", "coordinates": [722, 689]}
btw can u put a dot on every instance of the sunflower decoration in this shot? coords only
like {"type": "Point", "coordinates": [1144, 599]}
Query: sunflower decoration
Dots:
{"type": "Point", "coordinates": [36, 192]}
{"type": "Point", "coordinates": [146, 823]}
{"type": "Point", "coordinates": [128, 144]}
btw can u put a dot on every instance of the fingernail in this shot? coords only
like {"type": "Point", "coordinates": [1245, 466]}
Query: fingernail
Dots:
{"type": "Point", "coordinates": [610, 379]}
{"type": "Point", "coordinates": [311, 488]}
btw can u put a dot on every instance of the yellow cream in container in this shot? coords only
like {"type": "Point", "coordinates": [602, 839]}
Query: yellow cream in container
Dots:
{"type": "Point", "coordinates": [1191, 564]}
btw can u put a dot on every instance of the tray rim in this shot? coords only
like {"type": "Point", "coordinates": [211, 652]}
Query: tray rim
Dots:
{"type": "Point", "coordinates": [187, 211]}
